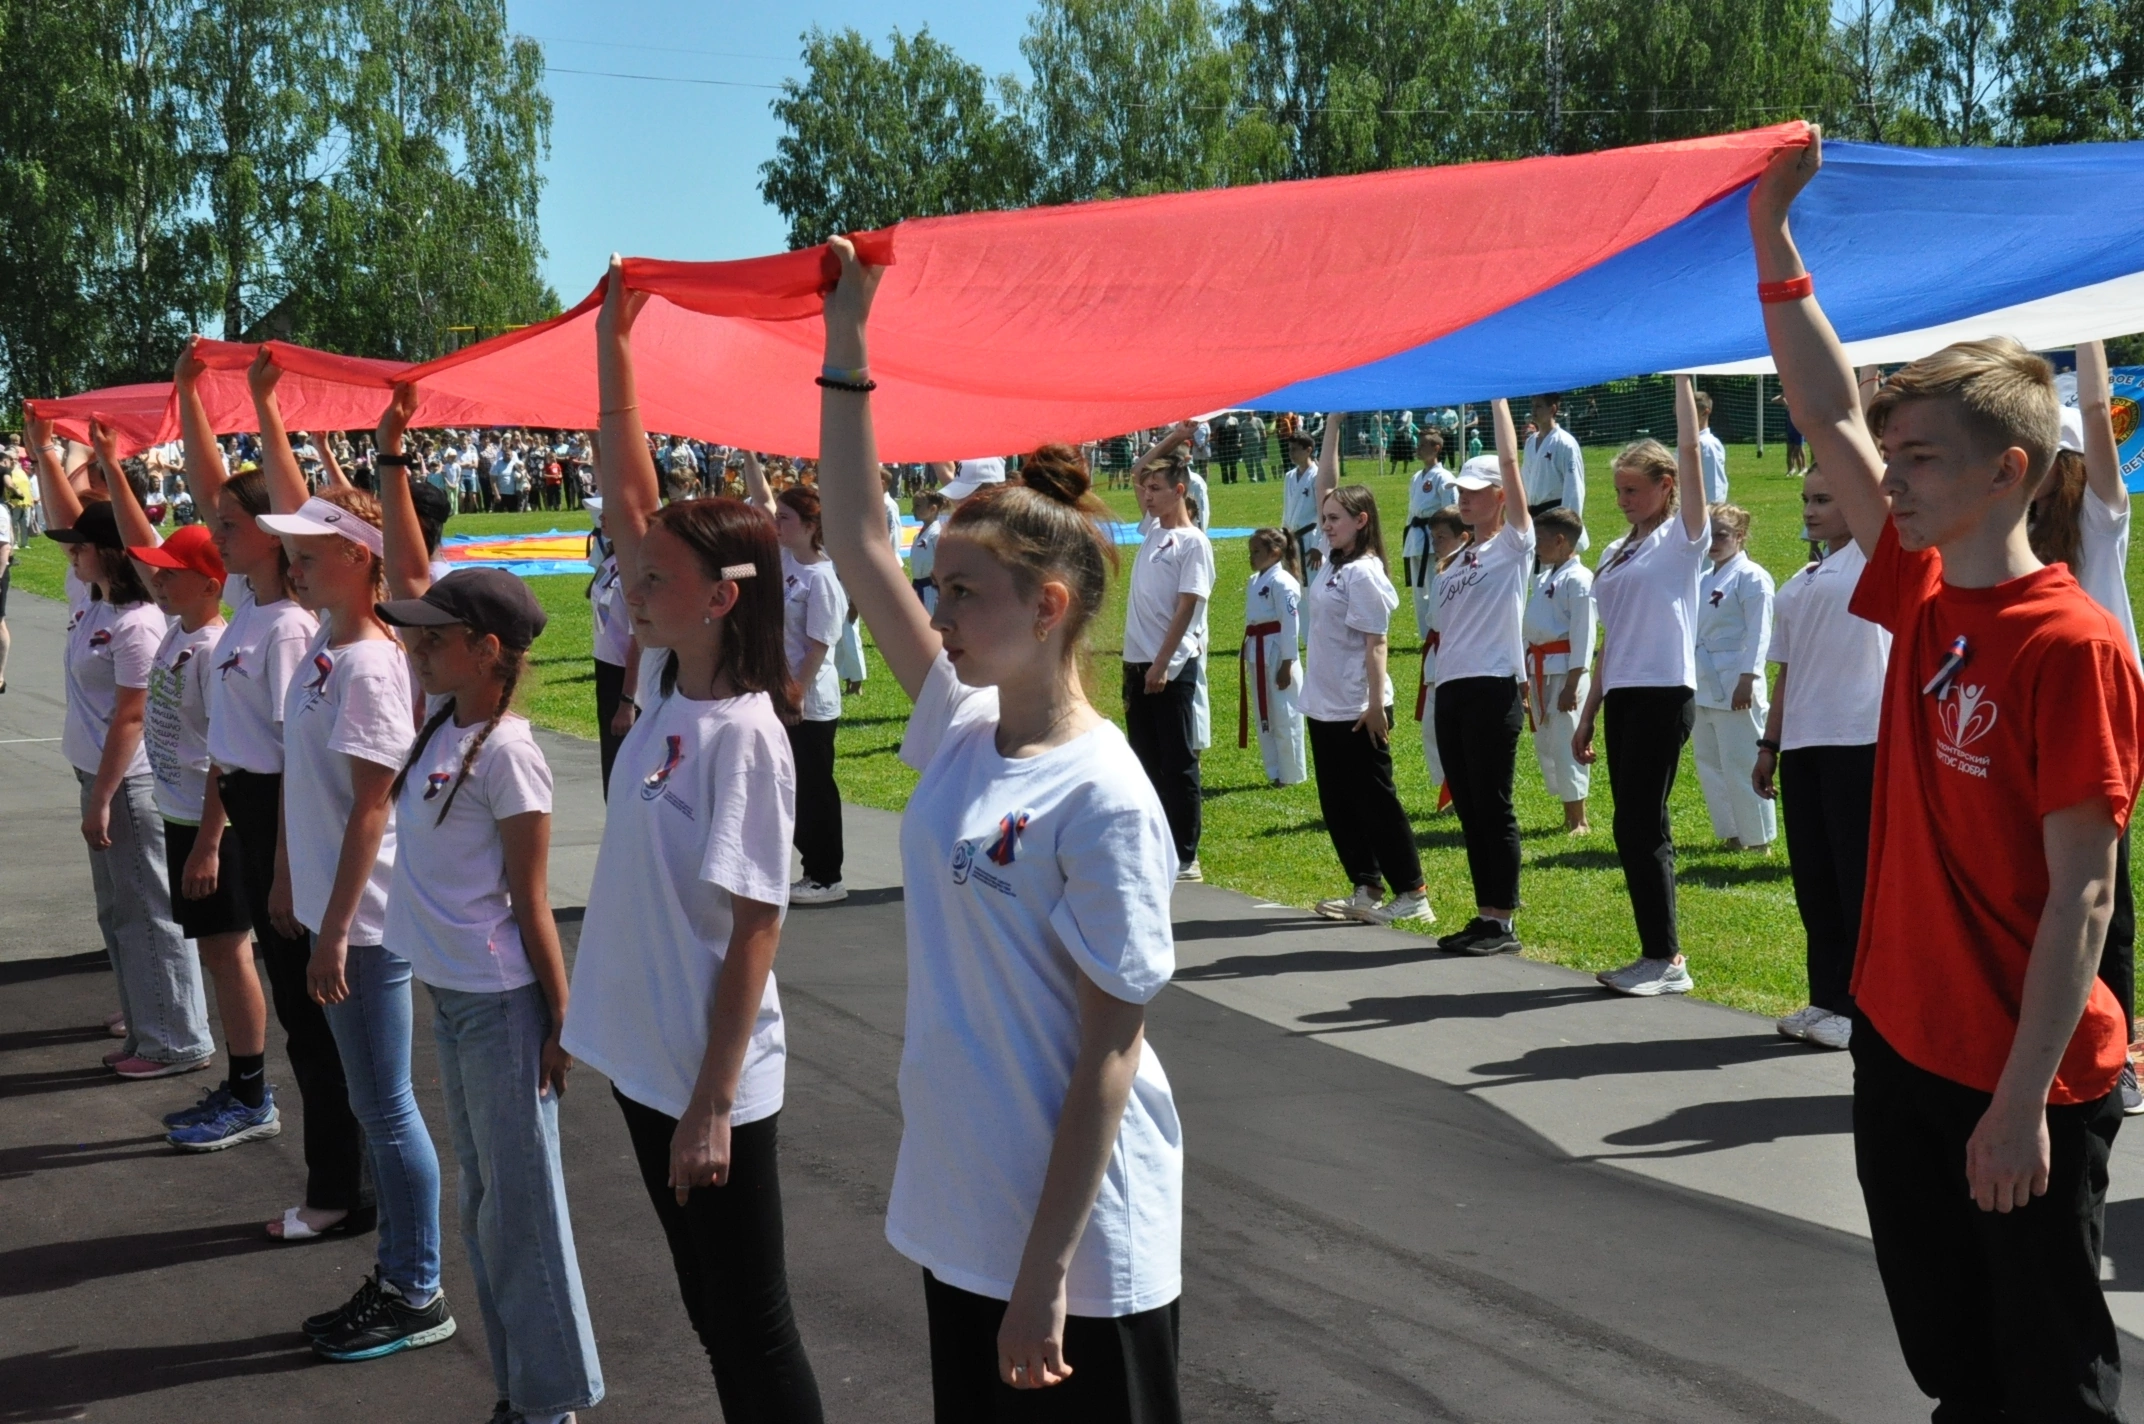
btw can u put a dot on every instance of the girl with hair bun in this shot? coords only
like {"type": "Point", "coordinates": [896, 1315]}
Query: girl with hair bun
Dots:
{"type": "Point", "coordinates": [1040, 1176]}
{"type": "Point", "coordinates": [674, 998]}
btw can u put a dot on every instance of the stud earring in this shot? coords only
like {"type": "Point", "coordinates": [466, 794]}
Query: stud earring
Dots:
{"type": "Point", "coordinates": [1042, 633]}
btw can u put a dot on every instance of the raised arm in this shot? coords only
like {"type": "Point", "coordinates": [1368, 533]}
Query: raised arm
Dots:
{"type": "Point", "coordinates": [205, 472]}
{"type": "Point", "coordinates": [336, 478]}
{"type": "Point", "coordinates": [756, 489]}
{"type": "Point", "coordinates": [279, 463]}
{"type": "Point", "coordinates": [409, 567]}
{"type": "Point", "coordinates": [135, 530]}
{"type": "Point", "coordinates": [851, 503]}
{"type": "Point", "coordinates": [1508, 464]}
{"type": "Point", "coordinates": [1689, 461]}
{"type": "Point", "coordinates": [1328, 478]}
{"type": "Point", "coordinates": [2095, 402]}
{"type": "Point", "coordinates": [1178, 433]}
{"type": "Point", "coordinates": [625, 472]}
{"type": "Point", "coordinates": [62, 501]}
{"type": "Point", "coordinates": [1812, 364]}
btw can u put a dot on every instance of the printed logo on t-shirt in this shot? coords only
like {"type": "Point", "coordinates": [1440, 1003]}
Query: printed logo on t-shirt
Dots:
{"type": "Point", "coordinates": [1003, 850]}
{"type": "Point", "coordinates": [1966, 716]}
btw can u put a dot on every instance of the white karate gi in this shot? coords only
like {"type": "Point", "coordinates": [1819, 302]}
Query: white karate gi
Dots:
{"type": "Point", "coordinates": [1275, 713]}
{"type": "Point", "coordinates": [1559, 632]}
{"type": "Point", "coordinates": [1432, 488]}
{"type": "Point", "coordinates": [1425, 704]}
{"type": "Point", "coordinates": [1555, 471]}
{"type": "Point", "coordinates": [1734, 632]}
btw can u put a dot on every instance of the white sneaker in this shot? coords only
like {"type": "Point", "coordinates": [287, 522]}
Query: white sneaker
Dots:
{"type": "Point", "coordinates": [1611, 977]}
{"type": "Point", "coordinates": [1358, 906]}
{"type": "Point", "coordinates": [1798, 1023]}
{"type": "Point", "coordinates": [1409, 905]}
{"type": "Point", "coordinates": [1189, 871]}
{"type": "Point", "coordinates": [1650, 977]}
{"type": "Point", "coordinates": [1830, 1031]}
{"type": "Point", "coordinates": [811, 892]}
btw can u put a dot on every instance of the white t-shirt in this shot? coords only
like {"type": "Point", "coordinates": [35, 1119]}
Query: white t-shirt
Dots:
{"type": "Point", "coordinates": [1712, 459]}
{"type": "Point", "coordinates": [1349, 604]}
{"type": "Point", "coordinates": [1734, 629]}
{"type": "Point", "coordinates": [1022, 876]}
{"type": "Point", "coordinates": [1835, 661]}
{"type": "Point", "coordinates": [814, 609]}
{"type": "Point", "coordinates": [107, 648]}
{"type": "Point", "coordinates": [449, 912]}
{"type": "Point", "coordinates": [613, 621]}
{"type": "Point", "coordinates": [1481, 601]}
{"type": "Point", "coordinates": [2105, 556]}
{"type": "Point", "coordinates": [351, 702]}
{"type": "Point", "coordinates": [715, 809]}
{"type": "Point", "coordinates": [1648, 606]}
{"type": "Point", "coordinates": [1170, 563]}
{"type": "Point", "coordinates": [923, 551]}
{"type": "Point", "coordinates": [77, 591]}
{"type": "Point", "coordinates": [7, 526]}
{"type": "Point", "coordinates": [255, 658]}
{"type": "Point", "coordinates": [176, 729]}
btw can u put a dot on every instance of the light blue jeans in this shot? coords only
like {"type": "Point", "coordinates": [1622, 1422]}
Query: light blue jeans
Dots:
{"type": "Point", "coordinates": [158, 973]}
{"type": "Point", "coordinates": [372, 1033]}
{"type": "Point", "coordinates": [513, 1198]}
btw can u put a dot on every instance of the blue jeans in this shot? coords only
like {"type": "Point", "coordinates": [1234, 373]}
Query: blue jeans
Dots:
{"type": "Point", "coordinates": [372, 1029]}
{"type": "Point", "coordinates": [513, 1198]}
{"type": "Point", "coordinates": [158, 973]}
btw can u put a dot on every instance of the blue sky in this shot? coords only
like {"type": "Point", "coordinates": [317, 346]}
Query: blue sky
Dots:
{"type": "Point", "coordinates": [663, 169]}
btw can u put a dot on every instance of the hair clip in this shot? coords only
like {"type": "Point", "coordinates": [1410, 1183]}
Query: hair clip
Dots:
{"type": "Point", "coordinates": [740, 571]}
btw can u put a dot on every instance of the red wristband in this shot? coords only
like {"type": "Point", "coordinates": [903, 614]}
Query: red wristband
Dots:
{"type": "Point", "coordinates": [1791, 290]}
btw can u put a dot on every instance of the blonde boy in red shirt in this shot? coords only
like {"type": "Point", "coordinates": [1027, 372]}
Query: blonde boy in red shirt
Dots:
{"type": "Point", "coordinates": [1986, 1050]}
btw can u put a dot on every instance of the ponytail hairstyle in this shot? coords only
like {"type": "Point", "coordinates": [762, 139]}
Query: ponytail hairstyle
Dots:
{"type": "Point", "coordinates": [118, 581]}
{"type": "Point", "coordinates": [1653, 460]}
{"type": "Point", "coordinates": [366, 506]}
{"type": "Point", "coordinates": [803, 502]}
{"type": "Point", "coordinates": [508, 670]}
{"type": "Point", "coordinates": [249, 492]}
{"type": "Point", "coordinates": [1275, 541]}
{"type": "Point", "coordinates": [723, 533]}
{"type": "Point", "coordinates": [1733, 517]}
{"type": "Point", "coordinates": [1049, 526]}
{"type": "Point", "coordinates": [2051, 521]}
{"type": "Point", "coordinates": [1358, 499]}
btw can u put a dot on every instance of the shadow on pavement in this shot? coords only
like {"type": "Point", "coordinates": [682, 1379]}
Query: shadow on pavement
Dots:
{"type": "Point", "coordinates": [58, 1265]}
{"type": "Point", "coordinates": [1392, 1012]}
{"type": "Point", "coordinates": [44, 1156]}
{"type": "Point", "coordinates": [1251, 929]}
{"type": "Point", "coordinates": [55, 1384]}
{"type": "Point", "coordinates": [1713, 1127]}
{"type": "Point", "coordinates": [1568, 1062]}
{"type": "Point", "coordinates": [29, 971]}
{"type": "Point", "coordinates": [50, 1037]}
{"type": "Point", "coordinates": [54, 1080]}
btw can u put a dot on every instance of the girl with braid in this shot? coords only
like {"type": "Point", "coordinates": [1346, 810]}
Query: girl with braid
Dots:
{"type": "Point", "coordinates": [470, 910]}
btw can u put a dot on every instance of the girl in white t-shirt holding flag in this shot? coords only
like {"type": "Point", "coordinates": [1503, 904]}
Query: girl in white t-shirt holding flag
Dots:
{"type": "Point", "coordinates": [1040, 1176]}
{"type": "Point", "coordinates": [470, 910]}
{"type": "Point", "coordinates": [674, 997]}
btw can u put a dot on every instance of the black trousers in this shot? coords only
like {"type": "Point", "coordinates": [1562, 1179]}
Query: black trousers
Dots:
{"type": "Point", "coordinates": [610, 692]}
{"type": "Point", "coordinates": [336, 1175]}
{"type": "Point", "coordinates": [1478, 722]}
{"type": "Point", "coordinates": [1123, 1367]}
{"type": "Point", "coordinates": [1999, 1314]}
{"type": "Point", "coordinates": [1159, 725]}
{"type": "Point", "coordinates": [2118, 960]}
{"type": "Point", "coordinates": [1647, 728]}
{"type": "Point", "coordinates": [1363, 815]}
{"type": "Point", "coordinates": [726, 1245]}
{"type": "Point", "coordinates": [818, 830]}
{"type": "Point", "coordinates": [1824, 796]}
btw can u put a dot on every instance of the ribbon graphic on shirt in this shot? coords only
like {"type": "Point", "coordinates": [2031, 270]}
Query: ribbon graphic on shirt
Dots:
{"type": "Point", "coordinates": [1939, 685]}
{"type": "Point", "coordinates": [436, 782]}
{"type": "Point", "coordinates": [652, 783]}
{"type": "Point", "coordinates": [100, 638]}
{"type": "Point", "coordinates": [1006, 847]}
{"type": "Point", "coordinates": [230, 664]}
{"type": "Point", "coordinates": [323, 665]}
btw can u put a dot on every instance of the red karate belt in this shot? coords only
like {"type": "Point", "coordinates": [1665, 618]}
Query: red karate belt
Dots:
{"type": "Point", "coordinates": [1252, 633]}
{"type": "Point", "coordinates": [1421, 687]}
{"type": "Point", "coordinates": [1537, 656]}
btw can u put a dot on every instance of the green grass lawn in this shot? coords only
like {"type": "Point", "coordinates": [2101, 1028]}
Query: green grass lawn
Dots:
{"type": "Point", "coordinates": [1739, 925]}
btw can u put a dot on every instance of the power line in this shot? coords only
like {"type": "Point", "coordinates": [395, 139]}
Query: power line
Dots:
{"type": "Point", "coordinates": [660, 78]}
{"type": "Point", "coordinates": [667, 49]}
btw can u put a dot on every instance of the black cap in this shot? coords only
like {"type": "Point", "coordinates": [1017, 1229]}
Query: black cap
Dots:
{"type": "Point", "coordinates": [487, 600]}
{"type": "Point", "coordinates": [96, 525]}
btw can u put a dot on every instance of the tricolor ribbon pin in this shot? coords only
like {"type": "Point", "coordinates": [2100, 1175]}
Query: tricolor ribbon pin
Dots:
{"type": "Point", "coordinates": [1940, 683]}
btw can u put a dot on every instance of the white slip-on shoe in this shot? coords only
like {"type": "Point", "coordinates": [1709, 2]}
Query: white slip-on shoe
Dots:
{"type": "Point", "coordinates": [811, 892]}
{"type": "Point", "coordinates": [1362, 902]}
{"type": "Point", "coordinates": [1408, 905]}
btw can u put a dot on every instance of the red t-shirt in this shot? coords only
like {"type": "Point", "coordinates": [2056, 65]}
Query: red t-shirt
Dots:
{"type": "Point", "coordinates": [2046, 712]}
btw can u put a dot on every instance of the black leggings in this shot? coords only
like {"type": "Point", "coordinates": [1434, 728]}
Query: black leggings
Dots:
{"type": "Point", "coordinates": [2118, 960]}
{"type": "Point", "coordinates": [1159, 727]}
{"type": "Point", "coordinates": [726, 1244]}
{"type": "Point", "coordinates": [1824, 795]}
{"type": "Point", "coordinates": [1363, 814]}
{"type": "Point", "coordinates": [1478, 721]}
{"type": "Point", "coordinates": [818, 830]}
{"type": "Point", "coordinates": [1123, 1367]}
{"type": "Point", "coordinates": [610, 691]}
{"type": "Point", "coordinates": [1647, 728]}
{"type": "Point", "coordinates": [336, 1175]}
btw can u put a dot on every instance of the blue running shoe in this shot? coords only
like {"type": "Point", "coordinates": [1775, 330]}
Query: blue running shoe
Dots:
{"type": "Point", "coordinates": [232, 1124]}
{"type": "Point", "coordinates": [211, 1104]}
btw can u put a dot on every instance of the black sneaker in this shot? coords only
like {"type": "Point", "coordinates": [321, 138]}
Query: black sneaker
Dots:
{"type": "Point", "coordinates": [387, 1325]}
{"type": "Point", "coordinates": [1493, 939]}
{"type": "Point", "coordinates": [2132, 1099]}
{"type": "Point", "coordinates": [316, 1326]}
{"type": "Point", "coordinates": [1457, 941]}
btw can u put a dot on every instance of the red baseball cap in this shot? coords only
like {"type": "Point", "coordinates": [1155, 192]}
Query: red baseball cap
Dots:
{"type": "Point", "coordinates": [189, 547]}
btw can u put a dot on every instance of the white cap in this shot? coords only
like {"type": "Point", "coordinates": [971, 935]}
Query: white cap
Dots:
{"type": "Point", "coordinates": [1480, 473]}
{"type": "Point", "coordinates": [971, 475]}
{"type": "Point", "coordinates": [317, 516]}
{"type": "Point", "coordinates": [2072, 430]}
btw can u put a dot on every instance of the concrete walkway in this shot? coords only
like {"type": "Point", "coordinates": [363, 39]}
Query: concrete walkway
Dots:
{"type": "Point", "coordinates": [1418, 1186]}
